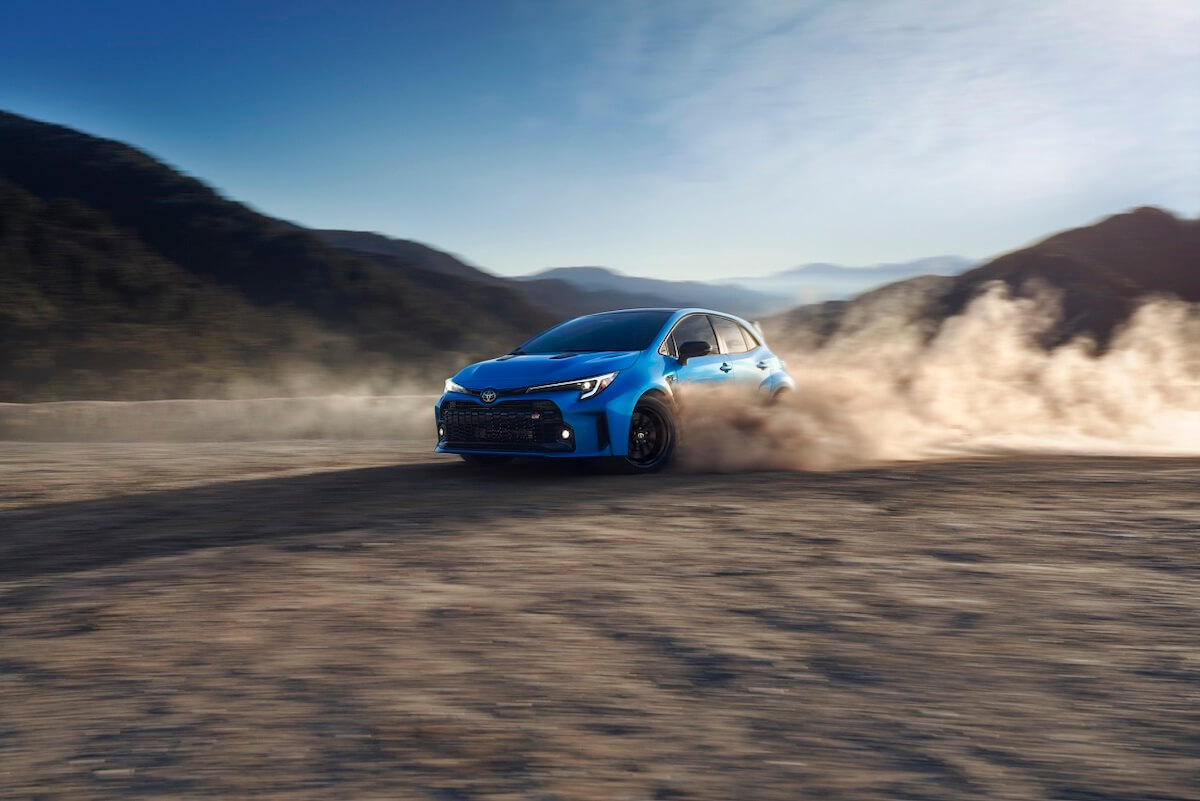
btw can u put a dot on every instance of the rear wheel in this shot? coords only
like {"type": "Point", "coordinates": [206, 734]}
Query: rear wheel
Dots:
{"type": "Point", "coordinates": [651, 435]}
{"type": "Point", "coordinates": [778, 396]}
{"type": "Point", "coordinates": [484, 459]}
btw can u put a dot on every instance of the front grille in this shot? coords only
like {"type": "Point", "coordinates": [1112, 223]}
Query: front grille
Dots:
{"type": "Point", "coordinates": [529, 425]}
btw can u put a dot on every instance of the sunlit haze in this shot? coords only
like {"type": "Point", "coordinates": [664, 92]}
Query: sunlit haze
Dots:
{"type": "Point", "coordinates": [671, 139]}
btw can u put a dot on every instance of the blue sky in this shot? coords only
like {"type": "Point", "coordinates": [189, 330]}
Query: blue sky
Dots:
{"type": "Point", "coordinates": [674, 138]}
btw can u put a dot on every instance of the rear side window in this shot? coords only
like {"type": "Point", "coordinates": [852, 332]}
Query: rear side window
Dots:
{"type": "Point", "coordinates": [752, 341]}
{"type": "Point", "coordinates": [731, 335]}
{"type": "Point", "coordinates": [694, 329]}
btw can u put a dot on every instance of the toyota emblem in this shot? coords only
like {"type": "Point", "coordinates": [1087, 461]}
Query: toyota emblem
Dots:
{"type": "Point", "coordinates": [488, 395]}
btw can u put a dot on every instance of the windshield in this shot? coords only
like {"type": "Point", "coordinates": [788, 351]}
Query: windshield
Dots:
{"type": "Point", "coordinates": [630, 330]}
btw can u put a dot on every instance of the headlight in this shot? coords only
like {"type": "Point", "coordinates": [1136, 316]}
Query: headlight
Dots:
{"type": "Point", "coordinates": [453, 387]}
{"type": "Point", "coordinates": [587, 386]}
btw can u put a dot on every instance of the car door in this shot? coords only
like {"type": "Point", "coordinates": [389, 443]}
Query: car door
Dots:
{"type": "Point", "coordinates": [698, 369]}
{"type": "Point", "coordinates": [738, 352]}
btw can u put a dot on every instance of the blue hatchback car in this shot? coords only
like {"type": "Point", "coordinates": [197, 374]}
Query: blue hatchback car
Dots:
{"type": "Point", "coordinates": [602, 385]}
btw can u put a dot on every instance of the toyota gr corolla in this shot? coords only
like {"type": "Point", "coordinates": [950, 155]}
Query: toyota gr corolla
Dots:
{"type": "Point", "coordinates": [602, 385]}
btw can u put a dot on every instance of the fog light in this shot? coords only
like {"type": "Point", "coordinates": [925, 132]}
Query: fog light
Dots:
{"type": "Point", "coordinates": [441, 432]}
{"type": "Point", "coordinates": [566, 433]}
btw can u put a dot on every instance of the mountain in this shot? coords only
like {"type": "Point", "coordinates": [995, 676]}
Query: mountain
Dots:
{"type": "Point", "coordinates": [752, 296]}
{"type": "Point", "coordinates": [1099, 273]}
{"type": "Point", "coordinates": [914, 301]}
{"type": "Point", "coordinates": [406, 251]}
{"type": "Point", "coordinates": [101, 246]}
{"type": "Point", "coordinates": [121, 277]}
{"type": "Point", "coordinates": [88, 311]}
{"type": "Point", "coordinates": [568, 300]}
{"type": "Point", "coordinates": [812, 283]}
{"type": "Point", "coordinates": [558, 298]}
{"type": "Point", "coordinates": [571, 291]}
{"type": "Point", "coordinates": [1101, 270]}
{"type": "Point", "coordinates": [656, 292]}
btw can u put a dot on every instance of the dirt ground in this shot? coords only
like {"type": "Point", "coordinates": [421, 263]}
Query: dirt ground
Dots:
{"type": "Point", "coordinates": [364, 620]}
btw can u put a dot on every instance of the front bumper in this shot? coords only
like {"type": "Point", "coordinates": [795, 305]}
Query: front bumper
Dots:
{"type": "Point", "coordinates": [554, 425]}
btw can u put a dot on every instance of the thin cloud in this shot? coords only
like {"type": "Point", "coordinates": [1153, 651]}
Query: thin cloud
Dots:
{"type": "Point", "coordinates": [892, 115]}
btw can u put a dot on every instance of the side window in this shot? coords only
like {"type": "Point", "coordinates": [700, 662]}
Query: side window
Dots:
{"type": "Point", "coordinates": [752, 341]}
{"type": "Point", "coordinates": [694, 329]}
{"type": "Point", "coordinates": [731, 335]}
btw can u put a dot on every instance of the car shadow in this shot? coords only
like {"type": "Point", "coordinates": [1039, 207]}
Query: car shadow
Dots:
{"type": "Point", "coordinates": [431, 498]}
{"type": "Point", "coordinates": [76, 535]}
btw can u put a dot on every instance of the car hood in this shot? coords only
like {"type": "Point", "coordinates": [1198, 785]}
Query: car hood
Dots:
{"type": "Point", "coordinates": [543, 368]}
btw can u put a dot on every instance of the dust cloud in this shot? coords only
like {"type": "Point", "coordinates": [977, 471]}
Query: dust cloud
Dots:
{"type": "Point", "coordinates": [296, 402]}
{"type": "Point", "coordinates": [891, 388]}
{"type": "Point", "coordinates": [337, 416]}
{"type": "Point", "coordinates": [889, 385]}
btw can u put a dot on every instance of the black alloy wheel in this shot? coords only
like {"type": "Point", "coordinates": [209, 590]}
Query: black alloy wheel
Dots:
{"type": "Point", "coordinates": [651, 435]}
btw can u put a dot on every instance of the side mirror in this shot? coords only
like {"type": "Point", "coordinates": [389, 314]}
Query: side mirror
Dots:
{"type": "Point", "coordinates": [690, 350]}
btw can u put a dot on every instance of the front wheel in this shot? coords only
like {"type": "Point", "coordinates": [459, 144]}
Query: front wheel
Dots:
{"type": "Point", "coordinates": [651, 435]}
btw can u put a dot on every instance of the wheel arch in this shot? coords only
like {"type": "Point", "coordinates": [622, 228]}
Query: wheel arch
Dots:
{"type": "Point", "coordinates": [620, 415]}
{"type": "Point", "coordinates": [655, 392]}
{"type": "Point", "coordinates": [661, 404]}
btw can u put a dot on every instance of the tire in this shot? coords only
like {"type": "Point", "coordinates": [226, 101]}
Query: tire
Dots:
{"type": "Point", "coordinates": [484, 459]}
{"type": "Point", "coordinates": [652, 435]}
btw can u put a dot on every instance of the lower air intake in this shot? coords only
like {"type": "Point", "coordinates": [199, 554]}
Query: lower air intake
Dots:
{"type": "Point", "coordinates": [529, 425]}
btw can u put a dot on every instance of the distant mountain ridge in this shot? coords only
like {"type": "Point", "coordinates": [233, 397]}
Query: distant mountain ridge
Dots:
{"type": "Point", "coordinates": [658, 292]}
{"type": "Point", "coordinates": [407, 250]}
{"type": "Point", "coordinates": [1100, 273]}
{"type": "Point", "coordinates": [812, 283]}
{"type": "Point", "coordinates": [933, 265]}
{"type": "Point", "coordinates": [571, 291]}
{"type": "Point", "coordinates": [753, 296]}
{"type": "Point", "coordinates": [558, 298]}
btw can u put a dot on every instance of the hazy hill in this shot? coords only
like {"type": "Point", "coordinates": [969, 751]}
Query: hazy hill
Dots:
{"type": "Point", "coordinates": [812, 283]}
{"type": "Point", "coordinates": [86, 216]}
{"type": "Point", "coordinates": [916, 301]}
{"type": "Point", "coordinates": [1100, 273]}
{"type": "Point", "coordinates": [657, 292]}
{"type": "Point", "coordinates": [559, 298]}
{"type": "Point", "coordinates": [569, 300]}
{"type": "Point", "coordinates": [412, 253]}
{"type": "Point", "coordinates": [570, 291]}
{"type": "Point", "coordinates": [752, 296]}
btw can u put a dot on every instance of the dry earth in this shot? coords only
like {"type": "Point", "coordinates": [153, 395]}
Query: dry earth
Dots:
{"type": "Point", "coordinates": [322, 620]}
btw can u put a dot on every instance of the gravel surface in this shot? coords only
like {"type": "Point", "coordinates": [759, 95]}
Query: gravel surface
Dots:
{"type": "Point", "coordinates": [324, 620]}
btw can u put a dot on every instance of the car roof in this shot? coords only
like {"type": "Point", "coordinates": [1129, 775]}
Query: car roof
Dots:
{"type": "Point", "coordinates": [641, 309]}
{"type": "Point", "coordinates": [678, 313]}
{"type": "Point", "coordinates": [672, 309]}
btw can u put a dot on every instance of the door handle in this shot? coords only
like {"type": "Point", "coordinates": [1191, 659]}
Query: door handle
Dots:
{"type": "Point", "coordinates": [725, 367]}
{"type": "Point", "coordinates": [762, 365]}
